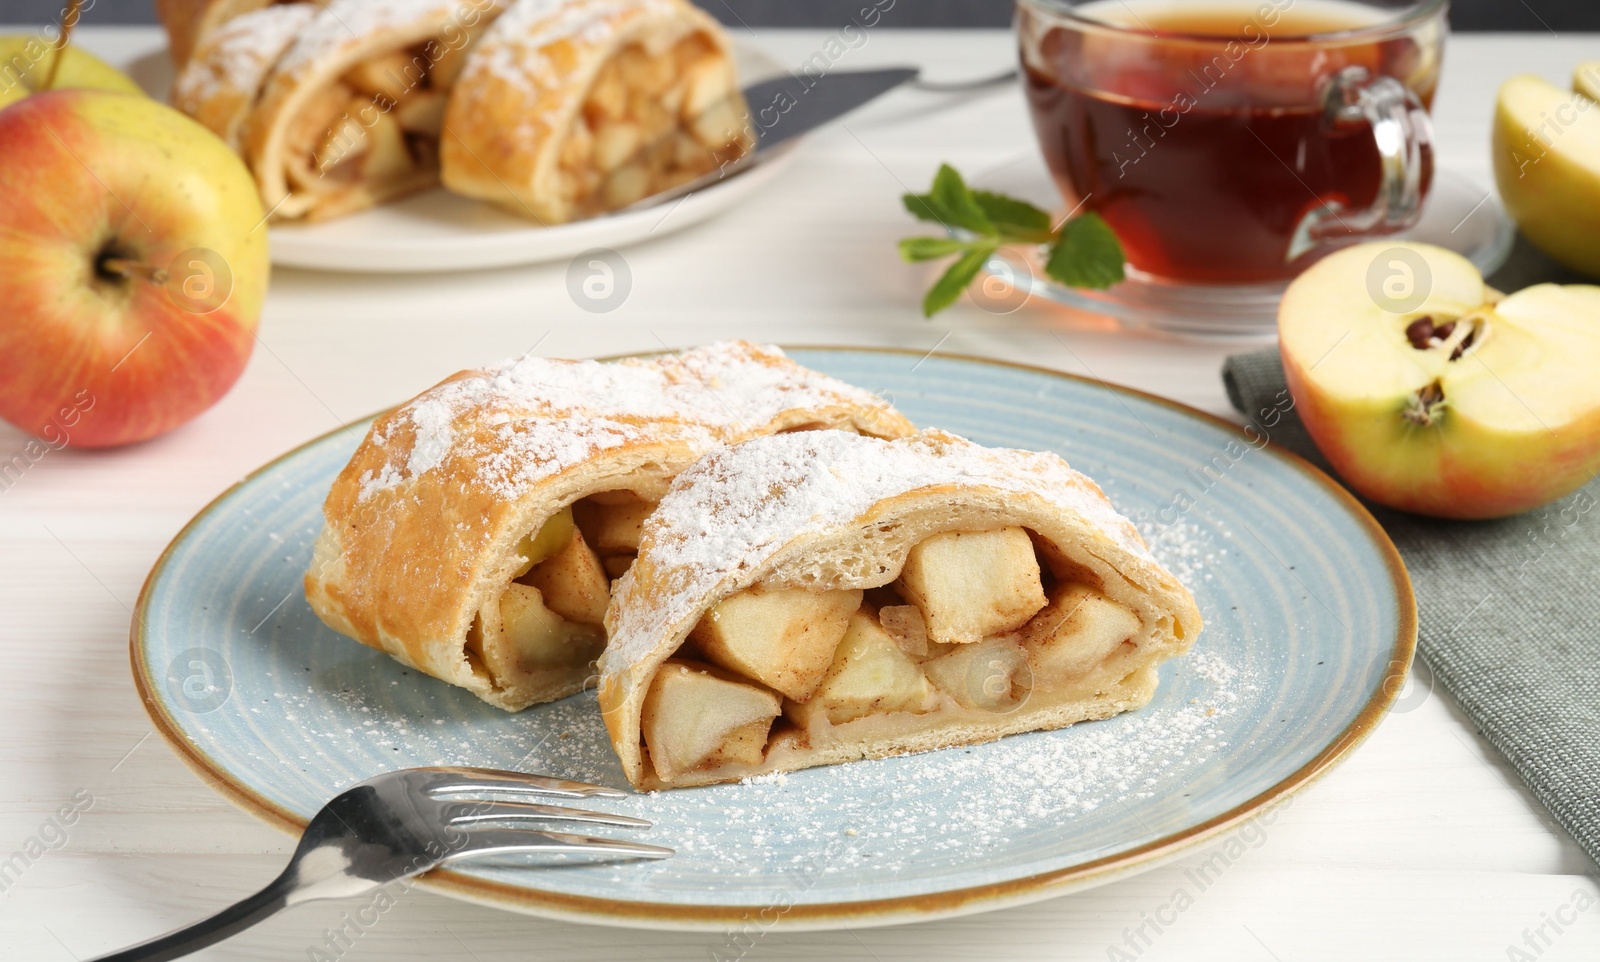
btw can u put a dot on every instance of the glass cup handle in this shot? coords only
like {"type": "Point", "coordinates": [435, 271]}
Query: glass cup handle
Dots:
{"type": "Point", "coordinates": [1404, 137]}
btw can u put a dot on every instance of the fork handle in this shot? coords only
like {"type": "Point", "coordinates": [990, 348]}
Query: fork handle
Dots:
{"type": "Point", "coordinates": [225, 924]}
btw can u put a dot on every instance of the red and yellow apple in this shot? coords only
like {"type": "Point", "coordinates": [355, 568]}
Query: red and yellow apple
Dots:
{"type": "Point", "coordinates": [1447, 399]}
{"type": "Point", "coordinates": [133, 265]}
{"type": "Point", "coordinates": [25, 63]}
{"type": "Point", "coordinates": [1546, 151]}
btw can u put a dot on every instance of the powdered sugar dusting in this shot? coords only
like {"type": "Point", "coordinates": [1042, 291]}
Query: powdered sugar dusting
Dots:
{"type": "Point", "coordinates": [342, 22]}
{"type": "Point", "coordinates": [513, 48]}
{"type": "Point", "coordinates": [523, 421]}
{"type": "Point", "coordinates": [238, 56]}
{"type": "Point", "coordinates": [938, 811]}
{"type": "Point", "coordinates": [735, 508]}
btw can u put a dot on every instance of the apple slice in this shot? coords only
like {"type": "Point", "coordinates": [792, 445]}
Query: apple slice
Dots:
{"type": "Point", "coordinates": [904, 623]}
{"type": "Point", "coordinates": [1075, 632]}
{"type": "Point", "coordinates": [1546, 151]}
{"type": "Point", "coordinates": [551, 537]}
{"type": "Point", "coordinates": [696, 716]}
{"type": "Point", "coordinates": [1457, 405]}
{"type": "Point", "coordinates": [869, 675]}
{"type": "Point", "coordinates": [387, 155]}
{"type": "Point", "coordinates": [971, 585]}
{"type": "Point", "coordinates": [542, 637]}
{"type": "Point", "coordinates": [389, 75]}
{"type": "Point", "coordinates": [421, 112]}
{"type": "Point", "coordinates": [613, 528]}
{"type": "Point", "coordinates": [991, 675]}
{"type": "Point", "coordinates": [572, 582]}
{"type": "Point", "coordinates": [783, 638]}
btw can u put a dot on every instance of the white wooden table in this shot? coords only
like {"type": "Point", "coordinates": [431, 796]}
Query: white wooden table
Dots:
{"type": "Point", "coordinates": [1422, 846]}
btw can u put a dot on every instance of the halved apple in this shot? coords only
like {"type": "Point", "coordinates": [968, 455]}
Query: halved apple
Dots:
{"type": "Point", "coordinates": [1546, 152]}
{"type": "Point", "coordinates": [783, 638]}
{"type": "Point", "coordinates": [869, 675]}
{"type": "Point", "coordinates": [696, 715]}
{"type": "Point", "coordinates": [970, 585]}
{"type": "Point", "coordinates": [1463, 405]}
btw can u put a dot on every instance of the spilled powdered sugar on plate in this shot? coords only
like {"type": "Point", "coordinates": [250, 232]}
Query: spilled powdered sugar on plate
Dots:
{"type": "Point", "coordinates": [932, 811]}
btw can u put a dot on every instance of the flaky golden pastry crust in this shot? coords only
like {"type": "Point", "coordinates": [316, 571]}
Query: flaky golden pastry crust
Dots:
{"type": "Point", "coordinates": [523, 93]}
{"type": "Point", "coordinates": [422, 526]}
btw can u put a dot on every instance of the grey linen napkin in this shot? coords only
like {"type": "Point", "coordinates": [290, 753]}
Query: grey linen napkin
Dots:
{"type": "Point", "coordinates": [1509, 615]}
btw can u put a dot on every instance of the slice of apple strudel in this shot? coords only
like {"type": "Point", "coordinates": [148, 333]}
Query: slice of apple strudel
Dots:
{"type": "Point", "coordinates": [335, 107]}
{"type": "Point", "coordinates": [476, 530]}
{"type": "Point", "coordinates": [570, 109]}
{"type": "Point", "coordinates": [805, 600]}
{"type": "Point", "coordinates": [189, 22]}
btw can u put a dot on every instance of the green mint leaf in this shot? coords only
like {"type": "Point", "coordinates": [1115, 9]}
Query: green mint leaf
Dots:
{"type": "Point", "coordinates": [1012, 215]}
{"type": "Point", "coordinates": [1087, 254]}
{"type": "Point", "coordinates": [949, 286]}
{"type": "Point", "coordinates": [951, 197]}
{"type": "Point", "coordinates": [914, 249]}
{"type": "Point", "coordinates": [924, 207]}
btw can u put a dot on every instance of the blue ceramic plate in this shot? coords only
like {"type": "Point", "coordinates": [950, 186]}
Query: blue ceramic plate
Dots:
{"type": "Point", "coordinates": [1309, 631]}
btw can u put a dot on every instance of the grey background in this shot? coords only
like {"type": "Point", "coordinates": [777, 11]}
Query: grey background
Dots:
{"type": "Point", "coordinates": [1548, 16]}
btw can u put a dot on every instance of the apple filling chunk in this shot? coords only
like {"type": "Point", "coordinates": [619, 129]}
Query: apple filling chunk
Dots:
{"type": "Point", "coordinates": [1078, 630]}
{"type": "Point", "coordinates": [784, 638]}
{"type": "Point", "coordinates": [540, 637]}
{"type": "Point", "coordinates": [990, 675]}
{"type": "Point", "coordinates": [869, 675]}
{"type": "Point", "coordinates": [572, 582]}
{"type": "Point", "coordinates": [651, 121]}
{"type": "Point", "coordinates": [695, 716]}
{"type": "Point", "coordinates": [973, 585]}
{"type": "Point", "coordinates": [378, 125]}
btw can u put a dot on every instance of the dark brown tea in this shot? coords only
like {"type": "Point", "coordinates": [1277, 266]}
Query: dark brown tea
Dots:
{"type": "Point", "coordinates": [1200, 131]}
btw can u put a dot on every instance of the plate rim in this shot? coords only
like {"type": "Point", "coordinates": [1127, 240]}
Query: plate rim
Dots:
{"type": "Point", "coordinates": [865, 912]}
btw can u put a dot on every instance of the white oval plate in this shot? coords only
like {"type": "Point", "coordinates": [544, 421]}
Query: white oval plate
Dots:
{"type": "Point", "coordinates": [439, 231]}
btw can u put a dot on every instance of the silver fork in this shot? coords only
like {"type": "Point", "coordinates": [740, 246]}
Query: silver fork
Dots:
{"type": "Point", "coordinates": [402, 824]}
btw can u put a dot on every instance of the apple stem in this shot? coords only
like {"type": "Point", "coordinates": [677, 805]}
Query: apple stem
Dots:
{"type": "Point", "coordinates": [69, 17]}
{"type": "Point", "coordinates": [128, 267]}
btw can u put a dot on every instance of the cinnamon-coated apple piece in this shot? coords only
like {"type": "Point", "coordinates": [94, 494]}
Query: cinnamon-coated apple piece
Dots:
{"type": "Point", "coordinates": [551, 537]}
{"type": "Point", "coordinates": [869, 675]}
{"type": "Point", "coordinates": [1428, 392]}
{"type": "Point", "coordinates": [989, 675]}
{"type": "Point", "coordinates": [387, 155]}
{"type": "Point", "coordinates": [421, 112]}
{"type": "Point", "coordinates": [613, 528]}
{"type": "Point", "coordinates": [783, 638]}
{"type": "Point", "coordinates": [1076, 631]}
{"type": "Point", "coordinates": [904, 623]}
{"type": "Point", "coordinates": [970, 585]}
{"type": "Point", "coordinates": [542, 637]}
{"type": "Point", "coordinates": [388, 75]}
{"type": "Point", "coordinates": [573, 582]}
{"type": "Point", "coordinates": [695, 715]}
